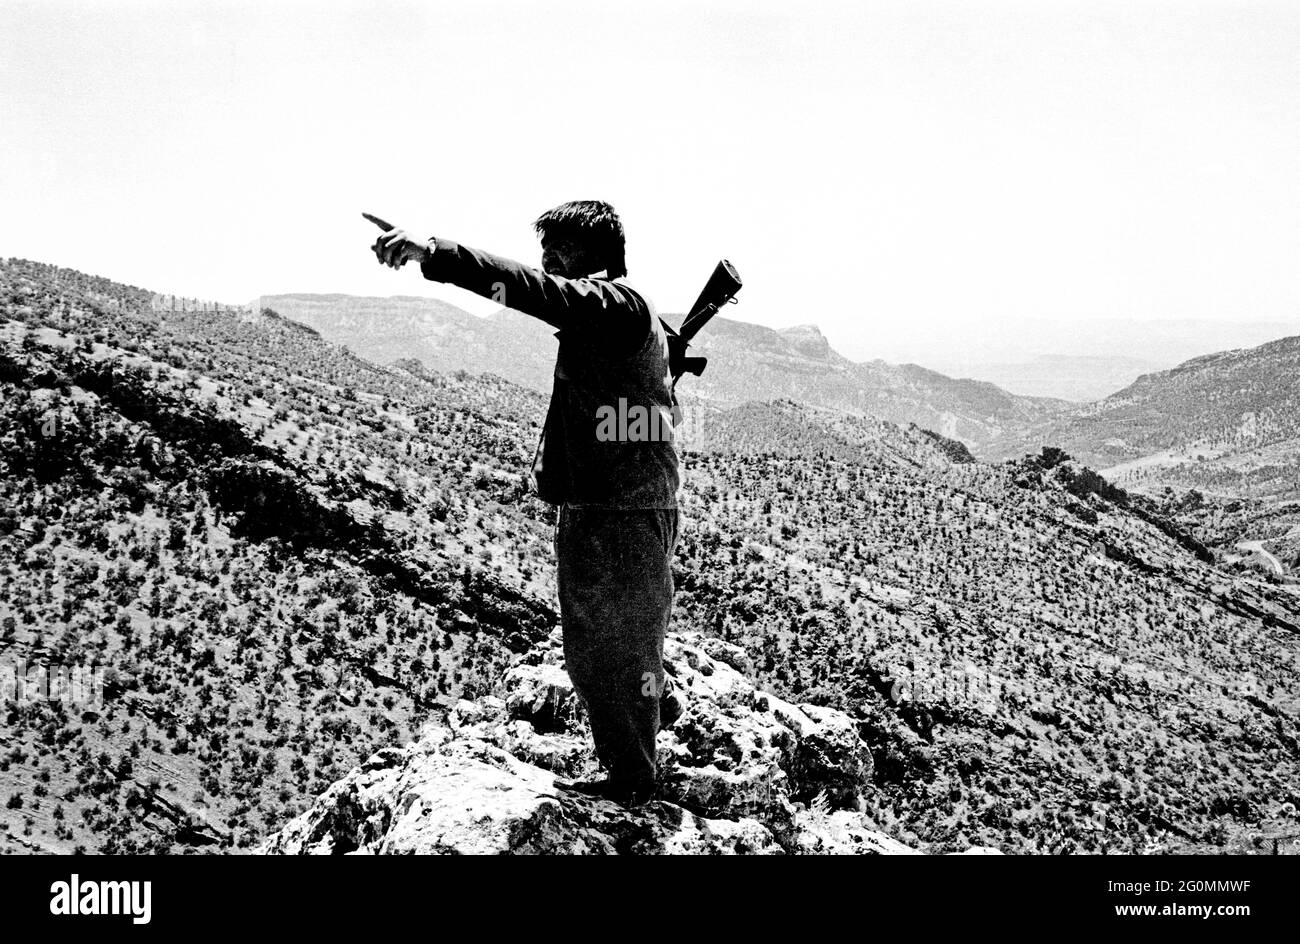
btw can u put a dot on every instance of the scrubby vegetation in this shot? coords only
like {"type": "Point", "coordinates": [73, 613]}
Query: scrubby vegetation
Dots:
{"type": "Point", "coordinates": [287, 557]}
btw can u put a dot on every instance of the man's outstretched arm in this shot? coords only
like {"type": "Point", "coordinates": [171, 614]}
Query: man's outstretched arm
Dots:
{"type": "Point", "coordinates": [593, 307]}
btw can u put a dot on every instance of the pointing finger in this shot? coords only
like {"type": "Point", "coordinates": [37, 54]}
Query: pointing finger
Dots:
{"type": "Point", "coordinates": [382, 224]}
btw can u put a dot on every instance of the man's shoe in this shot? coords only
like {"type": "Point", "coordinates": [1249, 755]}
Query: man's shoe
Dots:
{"type": "Point", "coordinates": [596, 788]}
{"type": "Point", "coordinates": [628, 795]}
{"type": "Point", "coordinates": [631, 795]}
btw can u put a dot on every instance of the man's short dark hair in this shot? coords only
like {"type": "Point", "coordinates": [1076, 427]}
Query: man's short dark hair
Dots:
{"type": "Point", "coordinates": [593, 225]}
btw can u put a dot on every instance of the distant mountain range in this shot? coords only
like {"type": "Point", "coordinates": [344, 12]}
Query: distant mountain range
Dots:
{"type": "Point", "coordinates": [746, 362]}
{"type": "Point", "coordinates": [1225, 423]}
{"type": "Point", "coordinates": [1076, 359]}
{"type": "Point", "coordinates": [1078, 378]}
{"type": "Point", "coordinates": [436, 333]}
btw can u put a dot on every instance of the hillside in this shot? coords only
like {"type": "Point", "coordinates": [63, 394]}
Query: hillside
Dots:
{"type": "Point", "coordinates": [284, 557]}
{"type": "Point", "coordinates": [1216, 439]}
{"type": "Point", "coordinates": [293, 560]}
{"type": "Point", "coordinates": [745, 361]}
{"type": "Point", "coordinates": [434, 333]}
{"type": "Point", "coordinates": [1228, 423]}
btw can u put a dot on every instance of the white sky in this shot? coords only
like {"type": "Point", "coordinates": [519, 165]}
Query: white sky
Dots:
{"type": "Point", "coordinates": [898, 173]}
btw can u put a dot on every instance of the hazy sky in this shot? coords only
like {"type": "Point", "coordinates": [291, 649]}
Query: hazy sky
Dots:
{"type": "Point", "coordinates": [899, 173]}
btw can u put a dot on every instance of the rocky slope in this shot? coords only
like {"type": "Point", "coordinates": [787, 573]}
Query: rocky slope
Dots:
{"type": "Point", "coordinates": [745, 773]}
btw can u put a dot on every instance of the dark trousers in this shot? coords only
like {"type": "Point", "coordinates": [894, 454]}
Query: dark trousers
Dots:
{"type": "Point", "coordinates": [614, 570]}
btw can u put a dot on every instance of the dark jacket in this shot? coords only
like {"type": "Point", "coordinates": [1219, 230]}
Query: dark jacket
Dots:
{"type": "Point", "coordinates": [609, 438]}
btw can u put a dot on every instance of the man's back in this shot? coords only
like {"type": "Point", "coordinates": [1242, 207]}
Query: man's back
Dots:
{"type": "Point", "coordinates": [609, 439]}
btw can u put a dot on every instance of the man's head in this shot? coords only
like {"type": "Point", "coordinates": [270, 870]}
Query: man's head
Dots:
{"type": "Point", "coordinates": [581, 237]}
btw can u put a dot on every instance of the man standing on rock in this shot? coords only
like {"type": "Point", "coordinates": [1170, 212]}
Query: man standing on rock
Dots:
{"type": "Point", "coordinates": [607, 457]}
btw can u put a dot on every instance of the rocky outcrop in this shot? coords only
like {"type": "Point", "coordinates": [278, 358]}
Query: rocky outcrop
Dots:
{"type": "Point", "coordinates": [745, 773]}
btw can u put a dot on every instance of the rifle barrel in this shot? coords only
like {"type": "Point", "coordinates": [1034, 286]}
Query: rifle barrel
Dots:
{"type": "Point", "coordinates": [697, 320]}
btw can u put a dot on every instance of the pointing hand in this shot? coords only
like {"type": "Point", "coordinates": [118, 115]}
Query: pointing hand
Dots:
{"type": "Point", "coordinates": [397, 247]}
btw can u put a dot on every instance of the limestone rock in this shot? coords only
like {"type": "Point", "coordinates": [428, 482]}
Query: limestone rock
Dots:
{"type": "Point", "coordinates": [745, 773]}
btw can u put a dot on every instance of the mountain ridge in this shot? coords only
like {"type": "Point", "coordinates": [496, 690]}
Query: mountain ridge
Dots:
{"type": "Point", "coordinates": [796, 362]}
{"type": "Point", "coordinates": [1222, 422]}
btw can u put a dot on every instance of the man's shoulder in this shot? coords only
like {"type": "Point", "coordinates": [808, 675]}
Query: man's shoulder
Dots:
{"type": "Point", "coordinates": [635, 292]}
{"type": "Point", "coordinates": [623, 336]}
